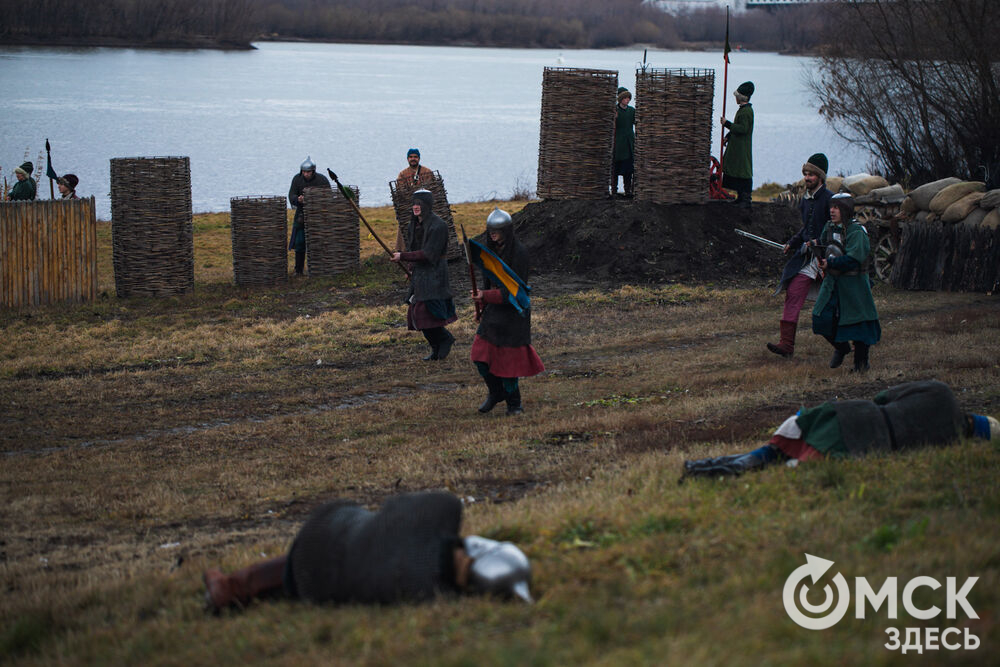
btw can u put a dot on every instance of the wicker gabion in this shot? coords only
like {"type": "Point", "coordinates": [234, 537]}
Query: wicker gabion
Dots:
{"type": "Point", "coordinates": [259, 226]}
{"type": "Point", "coordinates": [673, 128]}
{"type": "Point", "coordinates": [151, 226]}
{"type": "Point", "coordinates": [333, 242]}
{"type": "Point", "coordinates": [577, 134]}
{"type": "Point", "coordinates": [402, 202]}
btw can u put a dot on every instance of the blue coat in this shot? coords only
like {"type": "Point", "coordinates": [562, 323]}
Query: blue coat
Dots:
{"type": "Point", "coordinates": [814, 211]}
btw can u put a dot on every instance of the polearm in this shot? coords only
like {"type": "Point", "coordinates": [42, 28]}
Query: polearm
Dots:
{"type": "Point", "coordinates": [472, 272]}
{"type": "Point", "coordinates": [350, 200]}
{"type": "Point", "coordinates": [760, 239]}
{"type": "Point", "coordinates": [48, 169]}
{"type": "Point", "coordinates": [725, 90]}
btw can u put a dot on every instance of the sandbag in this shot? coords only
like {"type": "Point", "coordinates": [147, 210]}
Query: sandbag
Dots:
{"type": "Point", "coordinates": [975, 218]}
{"type": "Point", "coordinates": [923, 195]}
{"type": "Point", "coordinates": [922, 216]}
{"type": "Point", "coordinates": [992, 219]}
{"type": "Point", "coordinates": [854, 178]}
{"type": "Point", "coordinates": [961, 209]}
{"type": "Point", "coordinates": [834, 183]}
{"type": "Point", "coordinates": [909, 206]}
{"type": "Point", "coordinates": [952, 193]}
{"type": "Point", "coordinates": [863, 186]}
{"type": "Point", "coordinates": [890, 194]}
{"type": "Point", "coordinates": [990, 200]}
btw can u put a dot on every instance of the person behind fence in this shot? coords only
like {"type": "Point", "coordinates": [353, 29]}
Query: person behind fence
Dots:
{"type": "Point", "coordinates": [67, 186]}
{"type": "Point", "coordinates": [624, 157]}
{"type": "Point", "coordinates": [408, 551]}
{"type": "Point", "coordinates": [306, 178]}
{"type": "Point", "coordinates": [431, 307]}
{"type": "Point", "coordinates": [25, 188]}
{"type": "Point", "coordinates": [801, 276]}
{"type": "Point", "coordinates": [502, 350]}
{"type": "Point", "coordinates": [845, 310]}
{"type": "Point", "coordinates": [411, 178]}
{"type": "Point", "coordinates": [906, 416]}
{"type": "Point", "coordinates": [737, 160]}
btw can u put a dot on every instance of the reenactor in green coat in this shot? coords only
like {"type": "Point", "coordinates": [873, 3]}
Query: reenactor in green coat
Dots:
{"type": "Point", "coordinates": [737, 161]}
{"type": "Point", "coordinates": [24, 189]}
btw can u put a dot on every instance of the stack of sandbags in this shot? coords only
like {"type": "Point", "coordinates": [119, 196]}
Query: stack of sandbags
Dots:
{"type": "Point", "coordinates": [861, 184]}
{"type": "Point", "coordinates": [952, 200]}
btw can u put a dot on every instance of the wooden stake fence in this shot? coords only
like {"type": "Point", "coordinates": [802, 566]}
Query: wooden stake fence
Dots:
{"type": "Point", "coordinates": [48, 252]}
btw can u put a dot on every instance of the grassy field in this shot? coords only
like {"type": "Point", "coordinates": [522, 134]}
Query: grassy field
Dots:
{"type": "Point", "coordinates": [145, 440]}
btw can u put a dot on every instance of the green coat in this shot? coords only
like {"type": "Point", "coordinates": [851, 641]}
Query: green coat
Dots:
{"type": "Point", "coordinates": [737, 161]}
{"type": "Point", "coordinates": [854, 292]}
{"type": "Point", "coordinates": [23, 190]}
{"type": "Point", "coordinates": [624, 133]}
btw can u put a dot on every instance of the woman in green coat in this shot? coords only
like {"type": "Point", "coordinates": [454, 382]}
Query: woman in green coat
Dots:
{"type": "Point", "coordinates": [24, 189]}
{"type": "Point", "coordinates": [845, 310]}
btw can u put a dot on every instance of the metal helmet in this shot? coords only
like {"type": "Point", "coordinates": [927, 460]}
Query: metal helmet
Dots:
{"type": "Point", "coordinates": [498, 567]}
{"type": "Point", "coordinates": [308, 165]}
{"type": "Point", "coordinates": [834, 249]}
{"type": "Point", "coordinates": [498, 219]}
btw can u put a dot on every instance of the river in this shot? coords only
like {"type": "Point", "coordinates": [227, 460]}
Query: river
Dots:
{"type": "Point", "coordinates": [248, 118]}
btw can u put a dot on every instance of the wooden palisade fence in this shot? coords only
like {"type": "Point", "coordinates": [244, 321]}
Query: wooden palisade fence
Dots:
{"type": "Point", "coordinates": [48, 252]}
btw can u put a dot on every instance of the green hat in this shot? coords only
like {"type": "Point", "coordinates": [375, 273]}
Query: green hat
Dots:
{"type": "Point", "coordinates": [746, 89]}
{"type": "Point", "coordinates": [817, 164]}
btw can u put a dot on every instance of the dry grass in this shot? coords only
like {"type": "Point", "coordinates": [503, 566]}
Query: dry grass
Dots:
{"type": "Point", "coordinates": [144, 440]}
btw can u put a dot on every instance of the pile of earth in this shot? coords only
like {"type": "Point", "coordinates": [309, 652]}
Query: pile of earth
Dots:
{"type": "Point", "coordinates": [640, 241]}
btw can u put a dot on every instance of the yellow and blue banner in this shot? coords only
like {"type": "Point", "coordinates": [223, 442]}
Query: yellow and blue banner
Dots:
{"type": "Point", "coordinates": [499, 273]}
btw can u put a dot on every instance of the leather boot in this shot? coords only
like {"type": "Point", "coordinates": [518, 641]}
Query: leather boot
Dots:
{"type": "Point", "coordinates": [240, 587]}
{"type": "Point", "coordinates": [434, 338]}
{"type": "Point", "coordinates": [786, 347]}
{"type": "Point", "coordinates": [444, 346]}
{"type": "Point", "coordinates": [860, 357]}
{"type": "Point", "coordinates": [514, 403]}
{"type": "Point", "coordinates": [300, 262]}
{"type": "Point", "coordinates": [496, 393]}
{"type": "Point", "coordinates": [628, 185]}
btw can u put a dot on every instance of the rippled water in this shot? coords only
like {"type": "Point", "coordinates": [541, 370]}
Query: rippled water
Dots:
{"type": "Point", "coordinates": [247, 119]}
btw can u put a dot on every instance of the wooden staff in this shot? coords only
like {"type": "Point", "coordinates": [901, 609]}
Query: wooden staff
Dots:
{"type": "Point", "coordinates": [472, 273]}
{"type": "Point", "coordinates": [350, 199]}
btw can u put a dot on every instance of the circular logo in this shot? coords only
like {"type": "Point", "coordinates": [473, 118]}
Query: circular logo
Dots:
{"type": "Point", "coordinates": [814, 568]}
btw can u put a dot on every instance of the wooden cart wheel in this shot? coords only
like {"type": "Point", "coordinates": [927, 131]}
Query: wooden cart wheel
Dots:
{"type": "Point", "coordinates": [884, 256]}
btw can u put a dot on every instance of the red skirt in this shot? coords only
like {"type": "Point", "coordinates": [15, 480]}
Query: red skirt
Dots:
{"type": "Point", "coordinates": [418, 318]}
{"type": "Point", "coordinates": [507, 362]}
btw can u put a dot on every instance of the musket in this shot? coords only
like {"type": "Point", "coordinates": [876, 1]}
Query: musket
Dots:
{"type": "Point", "coordinates": [760, 239]}
{"type": "Point", "coordinates": [472, 271]}
{"type": "Point", "coordinates": [350, 200]}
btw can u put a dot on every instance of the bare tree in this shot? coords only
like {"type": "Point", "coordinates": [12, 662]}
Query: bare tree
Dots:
{"type": "Point", "coordinates": [916, 82]}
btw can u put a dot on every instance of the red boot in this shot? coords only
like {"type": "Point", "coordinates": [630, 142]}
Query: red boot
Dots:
{"type": "Point", "coordinates": [240, 587]}
{"type": "Point", "coordinates": [786, 347]}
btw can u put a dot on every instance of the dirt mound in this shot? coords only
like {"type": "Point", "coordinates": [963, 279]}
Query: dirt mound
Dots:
{"type": "Point", "coordinates": [639, 241]}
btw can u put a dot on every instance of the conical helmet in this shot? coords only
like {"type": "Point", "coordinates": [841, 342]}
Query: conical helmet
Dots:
{"type": "Point", "coordinates": [308, 165]}
{"type": "Point", "coordinates": [498, 567]}
{"type": "Point", "coordinates": [498, 219]}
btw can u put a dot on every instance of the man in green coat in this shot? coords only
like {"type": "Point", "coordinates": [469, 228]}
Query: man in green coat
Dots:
{"type": "Point", "coordinates": [624, 158]}
{"type": "Point", "coordinates": [737, 161]}
{"type": "Point", "coordinates": [24, 189]}
{"type": "Point", "coordinates": [845, 310]}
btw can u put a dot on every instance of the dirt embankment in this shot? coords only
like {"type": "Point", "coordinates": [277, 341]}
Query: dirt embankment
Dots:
{"type": "Point", "coordinates": [640, 241]}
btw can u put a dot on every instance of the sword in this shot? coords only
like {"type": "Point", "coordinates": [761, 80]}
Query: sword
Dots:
{"type": "Point", "coordinates": [760, 239]}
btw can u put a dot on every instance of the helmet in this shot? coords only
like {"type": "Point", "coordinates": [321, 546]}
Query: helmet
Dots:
{"type": "Point", "coordinates": [498, 567]}
{"type": "Point", "coordinates": [308, 165]}
{"type": "Point", "coordinates": [498, 219]}
{"type": "Point", "coordinates": [845, 203]}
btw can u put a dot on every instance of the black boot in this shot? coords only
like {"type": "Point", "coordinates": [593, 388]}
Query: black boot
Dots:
{"type": "Point", "coordinates": [496, 393]}
{"type": "Point", "coordinates": [300, 262]}
{"type": "Point", "coordinates": [434, 339]}
{"type": "Point", "coordinates": [840, 351]}
{"type": "Point", "coordinates": [514, 403]}
{"type": "Point", "coordinates": [860, 357]}
{"type": "Point", "coordinates": [446, 341]}
{"type": "Point", "coordinates": [628, 178]}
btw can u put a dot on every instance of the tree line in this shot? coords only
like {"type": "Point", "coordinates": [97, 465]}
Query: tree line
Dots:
{"type": "Point", "coordinates": [507, 23]}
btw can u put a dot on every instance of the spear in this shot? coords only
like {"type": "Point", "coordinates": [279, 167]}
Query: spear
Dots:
{"type": "Point", "coordinates": [725, 88]}
{"type": "Point", "coordinates": [472, 272]}
{"type": "Point", "coordinates": [49, 171]}
{"type": "Point", "coordinates": [344, 191]}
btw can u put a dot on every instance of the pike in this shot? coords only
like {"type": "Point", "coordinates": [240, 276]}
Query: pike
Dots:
{"type": "Point", "coordinates": [472, 271]}
{"type": "Point", "coordinates": [760, 239]}
{"type": "Point", "coordinates": [344, 191]}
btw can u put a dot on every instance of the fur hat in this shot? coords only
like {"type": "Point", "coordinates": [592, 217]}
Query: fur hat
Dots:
{"type": "Point", "coordinates": [622, 92]}
{"type": "Point", "coordinates": [817, 164]}
{"type": "Point", "coordinates": [69, 180]}
{"type": "Point", "coordinates": [25, 169]}
{"type": "Point", "coordinates": [745, 89]}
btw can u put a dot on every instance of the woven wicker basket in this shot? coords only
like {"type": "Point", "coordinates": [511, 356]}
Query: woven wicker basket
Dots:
{"type": "Point", "coordinates": [333, 240]}
{"type": "Point", "coordinates": [402, 202]}
{"type": "Point", "coordinates": [673, 128]}
{"type": "Point", "coordinates": [151, 226]}
{"type": "Point", "coordinates": [577, 134]}
{"type": "Point", "coordinates": [259, 226]}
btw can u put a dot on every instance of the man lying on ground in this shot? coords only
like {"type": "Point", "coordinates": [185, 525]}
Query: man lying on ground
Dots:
{"type": "Point", "coordinates": [905, 416]}
{"type": "Point", "coordinates": [407, 551]}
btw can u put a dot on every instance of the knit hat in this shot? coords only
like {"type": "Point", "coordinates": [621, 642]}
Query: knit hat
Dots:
{"type": "Point", "coordinates": [25, 169]}
{"type": "Point", "coordinates": [622, 92]}
{"type": "Point", "coordinates": [69, 180]}
{"type": "Point", "coordinates": [413, 151]}
{"type": "Point", "coordinates": [746, 89]}
{"type": "Point", "coordinates": [817, 164]}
